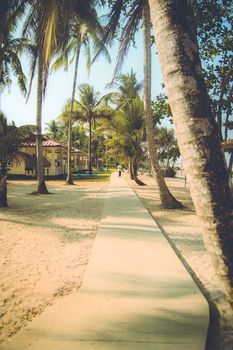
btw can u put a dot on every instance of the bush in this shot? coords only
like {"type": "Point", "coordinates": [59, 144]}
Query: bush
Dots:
{"type": "Point", "coordinates": [169, 172]}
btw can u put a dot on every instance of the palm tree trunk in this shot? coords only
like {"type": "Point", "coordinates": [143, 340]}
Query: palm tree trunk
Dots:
{"type": "Point", "coordinates": [131, 170]}
{"type": "Point", "coordinates": [3, 183]}
{"type": "Point", "coordinates": [90, 144]}
{"type": "Point", "coordinates": [168, 201]}
{"type": "Point", "coordinates": [41, 186]}
{"type": "Point", "coordinates": [69, 179]}
{"type": "Point", "coordinates": [135, 174]}
{"type": "Point", "coordinates": [3, 192]}
{"type": "Point", "coordinates": [197, 131]}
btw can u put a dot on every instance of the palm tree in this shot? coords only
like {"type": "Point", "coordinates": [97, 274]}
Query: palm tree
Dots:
{"type": "Point", "coordinates": [69, 179]}
{"type": "Point", "coordinates": [50, 23]}
{"type": "Point", "coordinates": [197, 132]}
{"type": "Point", "coordinates": [137, 10]}
{"type": "Point", "coordinates": [10, 47]}
{"type": "Point", "coordinates": [89, 108]}
{"type": "Point", "coordinates": [6, 137]}
{"type": "Point", "coordinates": [56, 21]}
{"type": "Point", "coordinates": [81, 36]}
{"type": "Point", "coordinates": [53, 130]}
{"type": "Point", "coordinates": [167, 199]}
{"type": "Point", "coordinates": [128, 104]}
{"type": "Point", "coordinates": [127, 135]}
{"type": "Point", "coordinates": [10, 138]}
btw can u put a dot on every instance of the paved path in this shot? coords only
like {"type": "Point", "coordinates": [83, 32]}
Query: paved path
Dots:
{"type": "Point", "coordinates": [136, 293]}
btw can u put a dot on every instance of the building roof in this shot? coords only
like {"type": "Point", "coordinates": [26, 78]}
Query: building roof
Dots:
{"type": "Point", "coordinates": [45, 143]}
{"type": "Point", "coordinates": [76, 150]}
{"type": "Point", "coordinates": [51, 143]}
{"type": "Point", "coordinates": [227, 145]}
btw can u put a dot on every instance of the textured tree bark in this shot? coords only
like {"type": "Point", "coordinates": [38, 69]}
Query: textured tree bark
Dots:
{"type": "Point", "coordinates": [197, 131]}
{"type": "Point", "coordinates": [135, 174]}
{"type": "Point", "coordinates": [69, 179]}
{"type": "Point", "coordinates": [41, 186]}
{"type": "Point", "coordinates": [131, 170]}
{"type": "Point", "coordinates": [168, 201]}
{"type": "Point", "coordinates": [3, 192]}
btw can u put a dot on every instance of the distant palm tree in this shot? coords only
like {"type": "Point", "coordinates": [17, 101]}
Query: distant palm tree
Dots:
{"type": "Point", "coordinates": [53, 130]}
{"type": "Point", "coordinates": [126, 129]}
{"type": "Point", "coordinates": [81, 36]}
{"type": "Point", "coordinates": [90, 108]}
{"type": "Point", "coordinates": [128, 105]}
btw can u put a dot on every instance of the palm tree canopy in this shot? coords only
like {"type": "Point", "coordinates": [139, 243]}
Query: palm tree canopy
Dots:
{"type": "Point", "coordinates": [123, 21]}
{"type": "Point", "coordinates": [52, 23]}
{"type": "Point", "coordinates": [128, 88]}
{"type": "Point", "coordinates": [11, 47]}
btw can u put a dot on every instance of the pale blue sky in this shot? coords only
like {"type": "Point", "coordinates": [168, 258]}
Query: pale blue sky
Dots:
{"type": "Point", "coordinates": [60, 84]}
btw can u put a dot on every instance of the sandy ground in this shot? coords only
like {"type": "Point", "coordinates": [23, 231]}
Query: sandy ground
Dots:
{"type": "Point", "coordinates": [45, 242]}
{"type": "Point", "coordinates": [182, 229]}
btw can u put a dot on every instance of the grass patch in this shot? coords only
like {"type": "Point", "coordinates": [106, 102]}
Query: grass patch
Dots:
{"type": "Point", "coordinates": [100, 177]}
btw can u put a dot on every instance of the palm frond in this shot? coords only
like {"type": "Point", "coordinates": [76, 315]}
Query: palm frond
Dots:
{"type": "Point", "coordinates": [133, 16]}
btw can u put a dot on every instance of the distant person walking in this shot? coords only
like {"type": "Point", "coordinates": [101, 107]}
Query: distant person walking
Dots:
{"type": "Point", "coordinates": [119, 168]}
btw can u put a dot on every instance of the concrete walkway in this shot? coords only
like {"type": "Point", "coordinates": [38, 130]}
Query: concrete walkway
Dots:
{"type": "Point", "coordinates": [136, 293]}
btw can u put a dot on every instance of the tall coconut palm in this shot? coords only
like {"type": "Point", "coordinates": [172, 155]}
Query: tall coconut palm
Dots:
{"type": "Point", "coordinates": [36, 61]}
{"type": "Point", "coordinates": [81, 37]}
{"type": "Point", "coordinates": [197, 132]}
{"type": "Point", "coordinates": [50, 23]}
{"type": "Point", "coordinates": [69, 179]}
{"type": "Point", "coordinates": [168, 201]}
{"type": "Point", "coordinates": [10, 48]}
{"type": "Point", "coordinates": [136, 11]}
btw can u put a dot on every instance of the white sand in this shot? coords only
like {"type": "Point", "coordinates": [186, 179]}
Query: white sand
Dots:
{"type": "Point", "coordinates": [45, 242]}
{"type": "Point", "coordinates": [184, 231]}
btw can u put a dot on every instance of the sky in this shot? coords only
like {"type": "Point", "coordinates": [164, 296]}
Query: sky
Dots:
{"type": "Point", "coordinates": [59, 87]}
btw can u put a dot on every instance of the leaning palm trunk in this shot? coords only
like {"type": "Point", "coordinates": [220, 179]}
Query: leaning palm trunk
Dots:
{"type": "Point", "coordinates": [131, 170]}
{"type": "Point", "coordinates": [41, 186]}
{"type": "Point", "coordinates": [135, 173]}
{"type": "Point", "coordinates": [197, 130]}
{"type": "Point", "coordinates": [168, 201]}
{"type": "Point", "coordinates": [69, 179]}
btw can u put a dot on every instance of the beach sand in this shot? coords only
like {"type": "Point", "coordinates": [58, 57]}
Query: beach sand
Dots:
{"type": "Point", "coordinates": [182, 229]}
{"type": "Point", "coordinates": [45, 242]}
